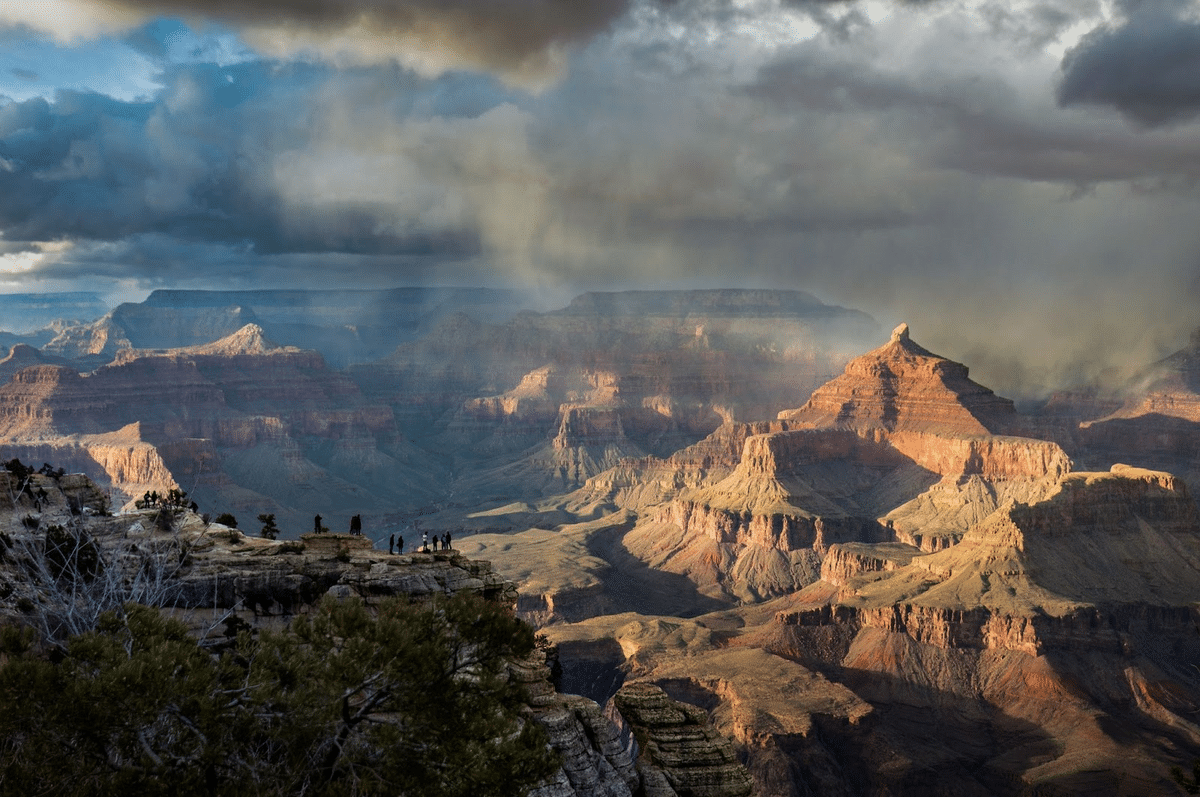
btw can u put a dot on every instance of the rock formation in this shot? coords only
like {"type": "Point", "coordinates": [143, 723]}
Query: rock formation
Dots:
{"type": "Point", "coordinates": [900, 447]}
{"type": "Point", "coordinates": [883, 581]}
{"type": "Point", "coordinates": [1050, 649]}
{"type": "Point", "coordinates": [904, 387]}
{"type": "Point", "coordinates": [681, 756]}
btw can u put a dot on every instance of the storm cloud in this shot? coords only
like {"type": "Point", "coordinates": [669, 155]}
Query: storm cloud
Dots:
{"type": "Point", "coordinates": [522, 40]}
{"type": "Point", "coordinates": [1147, 68]}
{"type": "Point", "coordinates": [91, 167]}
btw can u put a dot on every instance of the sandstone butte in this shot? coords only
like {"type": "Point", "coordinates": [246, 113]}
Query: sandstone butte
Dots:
{"type": "Point", "coordinates": [885, 602]}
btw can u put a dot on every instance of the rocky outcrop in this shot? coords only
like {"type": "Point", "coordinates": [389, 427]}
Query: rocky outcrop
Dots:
{"type": "Point", "coordinates": [1047, 611]}
{"type": "Point", "coordinates": [122, 458]}
{"type": "Point", "coordinates": [878, 470]}
{"type": "Point", "coordinates": [1050, 650]}
{"type": "Point", "coordinates": [595, 743]}
{"type": "Point", "coordinates": [138, 326]}
{"type": "Point", "coordinates": [22, 356]}
{"type": "Point", "coordinates": [680, 755]}
{"type": "Point", "coordinates": [213, 575]}
{"type": "Point", "coordinates": [846, 561]}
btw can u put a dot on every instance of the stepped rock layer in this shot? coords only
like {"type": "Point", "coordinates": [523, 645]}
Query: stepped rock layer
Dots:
{"type": "Point", "coordinates": [1070, 614]}
{"type": "Point", "coordinates": [1050, 651]}
{"type": "Point", "coordinates": [680, 755]}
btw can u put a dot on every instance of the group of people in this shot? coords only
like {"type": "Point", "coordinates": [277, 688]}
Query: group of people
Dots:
{"type": "Point", "coordinates": [395, 541]}
{"type": "Point", "coordinates": [443, 541]}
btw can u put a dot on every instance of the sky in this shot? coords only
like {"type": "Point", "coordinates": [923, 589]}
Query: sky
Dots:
{"type": "Point", "coordinates": [1015, 179]}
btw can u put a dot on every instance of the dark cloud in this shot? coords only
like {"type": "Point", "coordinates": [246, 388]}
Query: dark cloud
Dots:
{"type": "Point", "coordinates": [973, 125]}
{"type": "Point", "coordinates": [25, 74]}
{"type": "Point", "coordinates": [519, 39]}
{"type": "Point", "coordinates": [1147, 68]}
{"type": "Point", "coordinates": [208, 161]}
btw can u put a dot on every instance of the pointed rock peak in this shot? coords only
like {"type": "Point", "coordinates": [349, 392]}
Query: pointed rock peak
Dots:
{"type": "Point", "coordinates": [250, 339]}
{"type": "Point", "coordinates": [902, 386]}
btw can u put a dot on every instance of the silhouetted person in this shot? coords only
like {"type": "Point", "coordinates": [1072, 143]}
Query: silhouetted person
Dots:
{"type": "Point", "coordinates": [356, 524]}
{"type": "Point", "coordinates": [424, 542]}
{"type": "Point", "coordinates": [446, 542]}
{"type": "Point", "coordinates": [317, 524]}
{"type": "Point", "coordinates": [392, 544]}
{"type": "Point", "coordinates": [436, 540]}
{"type": "Point", "coordinates": [399, 544]}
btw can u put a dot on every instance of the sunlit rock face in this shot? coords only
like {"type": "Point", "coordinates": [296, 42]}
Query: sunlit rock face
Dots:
{"type": "Point", "coordinates": [902, 387]}
{"type": "Point", "coordinates": [900, 447]}
{"type": "Point", "coordinates": [1050, 648]}
{"type": "Point", "coordinates": [1048, 623]}
{"type": "Point", "coordinates": [913, 603]}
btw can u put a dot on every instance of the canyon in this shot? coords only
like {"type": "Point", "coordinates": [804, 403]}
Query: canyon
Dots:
{"type": "Point", "coordinates": [864, 571]}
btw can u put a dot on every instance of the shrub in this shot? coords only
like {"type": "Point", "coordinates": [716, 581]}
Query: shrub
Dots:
{"type": "Point", "coordinates": [409, 700]}
{"type": "Point", "coordinates": [226, 519]}
{"type": "Point", "coordinates": [269, 529]}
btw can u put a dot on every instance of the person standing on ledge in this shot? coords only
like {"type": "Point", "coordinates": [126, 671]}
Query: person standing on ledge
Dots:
{"type": "Point", "coordinates": [317, 524]}
{"type": "Point", "coordinates": [392, 544]}
{"type": "Point", "coordinates": [356, 524]}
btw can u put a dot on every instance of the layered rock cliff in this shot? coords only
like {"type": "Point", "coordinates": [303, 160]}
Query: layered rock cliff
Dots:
{"type": "Point", "coordinates": [1100, 574]}
{"type": "Point", "coordinates": [1049, 651]}
{"type": "Point", "coordinates": [240, 422]}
